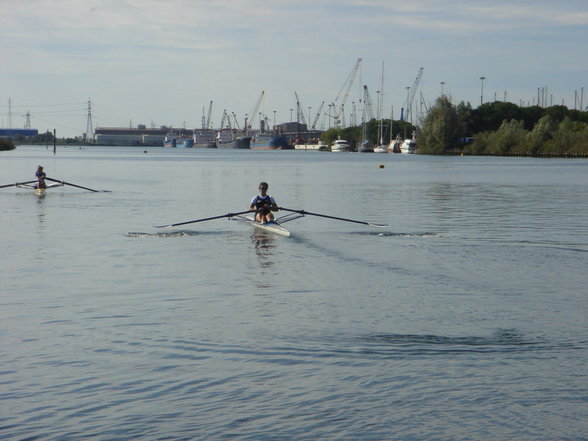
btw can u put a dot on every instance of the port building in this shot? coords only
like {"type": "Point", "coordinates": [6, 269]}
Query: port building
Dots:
{"type": "Point", "coordinates": [139, 136]}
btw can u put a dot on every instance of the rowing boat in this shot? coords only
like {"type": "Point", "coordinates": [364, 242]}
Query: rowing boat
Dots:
{"type": "Point", "coordinates": [39, 191]}
{"type": "Point", "coordinates": [274, 226]}
{"type": "Point", "coordinates": [54, 183]}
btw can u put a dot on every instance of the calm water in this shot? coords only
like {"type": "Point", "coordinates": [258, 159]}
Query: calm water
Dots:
{"type": "Point", "coordinates": [465, 319]}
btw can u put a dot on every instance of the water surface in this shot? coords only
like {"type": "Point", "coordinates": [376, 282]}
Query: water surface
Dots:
{"type": "Point", "coordinates": [464, 319]}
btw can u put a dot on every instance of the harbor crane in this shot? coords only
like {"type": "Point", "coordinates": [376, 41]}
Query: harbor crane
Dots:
{"type": "Point", "coordinates": [317, 116]}
{"type": "Point", "coordinates": [412, 94]}
{"type": "Point", "coordinates": [209, 115]}
{"type": "Point", "coordinates": [236, 121]}
{"type": "Point", "coordinates": [226, 118]}
{"type": "Point", "coordinates": [253, 112]}
{"type": "Point", "coordinates": [368, 109]}
{"type": "Point", "coordinates": [206, 121]}
{"type": "Point", "coordinates": [339, 103]}
{"type": "Point", "coordinates": [299, 111]}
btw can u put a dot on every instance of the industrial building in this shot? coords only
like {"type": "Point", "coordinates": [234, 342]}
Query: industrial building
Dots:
{"type": "Point", "coordinates": [139, 136]}
{"type": "Point", "coordinates": [14, 133]}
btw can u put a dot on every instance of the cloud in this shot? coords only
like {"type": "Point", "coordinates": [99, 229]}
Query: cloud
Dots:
{"type": "Point", "coordinates": [141, 55]}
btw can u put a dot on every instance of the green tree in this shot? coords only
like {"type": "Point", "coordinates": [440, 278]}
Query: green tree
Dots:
{"type": "Point", "coordinates": [510, 138]}
{"type": "Point", "coordinates": [330, 135]}
{"type": "Point", "coordinates": [541, 133]}
{"type": "Point", "coordinates": [530, 116]}
{"type": "Point", "coordinates": [6, 144]}
{"type": "Point", "coordinates": [489, 116]}
{"type": "Point", "coordinates": [442, 128]}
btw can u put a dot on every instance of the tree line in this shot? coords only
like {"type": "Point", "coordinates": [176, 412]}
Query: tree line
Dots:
{"type": "Point", "coordinates": [496, 128]}
{"type": "Point", "coordinates": [502, 128]}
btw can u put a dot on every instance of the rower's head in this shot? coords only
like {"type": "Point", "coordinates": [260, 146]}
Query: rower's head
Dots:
{"type": "Point", "coordinates": [40, 168]}
{"type": "Point", "coordinates": [263, 187]}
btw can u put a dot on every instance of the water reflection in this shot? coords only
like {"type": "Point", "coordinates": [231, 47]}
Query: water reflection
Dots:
{"type": "Point", "coordinates": [41, 208]}
{"type": "Point", "coordinates": [264, 245]}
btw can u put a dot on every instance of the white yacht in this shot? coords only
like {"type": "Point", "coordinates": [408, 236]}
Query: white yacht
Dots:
{"type": "Point", "coordinates": [340, 145]}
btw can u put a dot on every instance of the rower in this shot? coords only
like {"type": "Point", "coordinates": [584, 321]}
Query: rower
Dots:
{"type": "Point", "coordinates": [263, 204]}
{"type": "Point", "coordinates": [40, 175]}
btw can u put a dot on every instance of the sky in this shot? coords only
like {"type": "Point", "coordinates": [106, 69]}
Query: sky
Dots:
{"type": "Point", "coordinates": [161, 62]}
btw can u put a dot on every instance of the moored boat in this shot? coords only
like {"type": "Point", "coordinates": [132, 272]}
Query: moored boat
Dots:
{"type": "Point", "coordinates": [318, 146]}
{"type": "Point", "coordinates": [340, 145]}
{"type": "Point", "coordinates": [394, 146]}
{"type": "Point", "coordinates": [204, 138]}
{"type": "Point", "coordinates": [408, 146]}
{"type": "Point", "coordinates": [365, 147]}
{"type": "Point", "coordinates": [178, 141]}
{"type": "Point", "coordinates": [265, 141]}
{"type": "Point", "coordinates": [226, 139]}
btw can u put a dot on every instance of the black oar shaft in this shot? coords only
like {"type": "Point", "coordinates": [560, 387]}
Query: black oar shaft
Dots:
{"type": "Point", "coordinates": [73, 185]}
{"type": "Point", "coordinates": [202, 220]}
{"type": "Point", "coordinates": [17, 184]}
{"type": "Point", "coordinates": [331, 217]}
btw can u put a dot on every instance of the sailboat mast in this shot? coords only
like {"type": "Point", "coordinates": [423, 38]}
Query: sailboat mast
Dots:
{"type": "Point", "coordinates": [381, 109]}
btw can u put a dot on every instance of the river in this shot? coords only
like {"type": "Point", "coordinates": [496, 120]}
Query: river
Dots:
{"type": "Point", "coordinates": [463, 319]}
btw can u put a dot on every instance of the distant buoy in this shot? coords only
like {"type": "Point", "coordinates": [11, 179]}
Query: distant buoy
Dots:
{"type": "Point", "coordinates": [144, 151]}
{"type": "Point", "coordinates": [381, 166]}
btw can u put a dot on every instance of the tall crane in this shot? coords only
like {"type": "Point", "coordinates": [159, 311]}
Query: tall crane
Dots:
{"type": "Point", "coordinates": [318, 115]}
{"type": "Point", "coordinates": [236, 122]}
{"type": "Point", "coordinates": [206, 122]}
{"type": "Point", "coordinates": [368, 109]}
{"type": "Point", "coordinates": [209, 114]}
{"type": "Point", "coordinates": [339, 103]}
{"type": "Point", "coordinates": [299, 111]}
{"type": "Point", "coordinates": [412, 94]}
{"type": "Point", "coordinates": [253, 112]}
{"type": "Point", "coordinates": [226, 119]}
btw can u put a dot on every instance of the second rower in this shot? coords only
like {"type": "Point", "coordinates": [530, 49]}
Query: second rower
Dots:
{"type": "Point", "coordinates": [40, 175]}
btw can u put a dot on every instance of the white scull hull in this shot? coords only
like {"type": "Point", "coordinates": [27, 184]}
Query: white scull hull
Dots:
{"type": "Point", "coordinates": [272, 227]}
{"type": "Point", "coordinates": [40, 191]}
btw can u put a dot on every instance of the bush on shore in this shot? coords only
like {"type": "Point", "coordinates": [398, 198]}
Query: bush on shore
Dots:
{"type": "Point", "coordinates": [6, 144]}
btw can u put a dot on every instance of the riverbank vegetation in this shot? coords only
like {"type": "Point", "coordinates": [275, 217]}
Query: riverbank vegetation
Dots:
{"type": "Point", "coordinates": [503, 129]}
{"type": "Point", "coordinates": [497, 128]}
{"type": "Point", "coordinates": [6, 144]}
{"type": "Point", "coordinates": [46, 139]}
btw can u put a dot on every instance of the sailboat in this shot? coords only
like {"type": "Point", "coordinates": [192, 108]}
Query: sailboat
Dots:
{"type": "Point", "coordinates": [381, 147]}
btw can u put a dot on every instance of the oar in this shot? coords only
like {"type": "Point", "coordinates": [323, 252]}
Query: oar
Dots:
{"type": "Point", "coordinates": [333, 217]}
{"type": "Point", "coordinates": [202, 220]}
{"type": "Point", "coordinates": [17, 184]}
{"type": "Point", "coordinates": [73, 185]}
